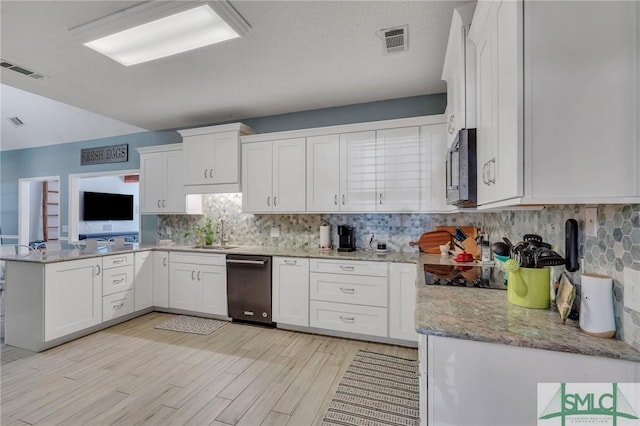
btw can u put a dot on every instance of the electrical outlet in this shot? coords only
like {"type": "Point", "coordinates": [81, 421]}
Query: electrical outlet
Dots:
{"type": "Point", "coordinates": [65, 228]}
{"type": "Point", "coordinates": [275, 232]}
{"type": "Point", "coordinates": [632, 289]}
{"type": "Point", "coordinates": [591, 222]}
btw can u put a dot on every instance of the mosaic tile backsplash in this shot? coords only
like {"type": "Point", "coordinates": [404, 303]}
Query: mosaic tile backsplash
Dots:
{"type": "Point", "coordinates": [616, 246]}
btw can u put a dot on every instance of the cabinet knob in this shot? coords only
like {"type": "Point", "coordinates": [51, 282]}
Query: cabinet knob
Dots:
{"type": "Point", "coordinates": [193, 273]}
{"type": "Point", "coordinates": [205, 173]}
{"type": "Point", "coordinates": [118, 306]}
{"type": "Point", "coordinates": [158, 203]}
{"type": "Point", "coordinates": [98, 269]}
{"type": "Point", "coordinates": [343, 201]}
{"type": "Point", "coordinates": [347, 268]}
{"type": "Point", "coordinates": [348, 290]}
{"type": "Point", "coordinates": [269, 201]}
{"type": "Point", "coordinates": [350, 320]}
{"type": "Point", "coordinates": [164, 203]}
{"type": "Point", "coordinates": [489, 177]}
{"type": "Point", "coordinates": [164, 261]}
{"type": "Point", "coordinates": [335, 199]}
{"type": "Point", "coordinates": [198, 276]}
{"type": "Point", "coordinates": [290, 262]}
{"type": "Point", "coordinates": [381, 198]}
{"type": "Point", "coordinates": [211, 173]}
{"type": "Point", "coordinates": [275, 201]}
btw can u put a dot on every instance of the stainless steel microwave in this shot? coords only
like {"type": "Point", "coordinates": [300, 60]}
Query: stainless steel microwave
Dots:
{"type": "Point", "coordinates": [461, 170]}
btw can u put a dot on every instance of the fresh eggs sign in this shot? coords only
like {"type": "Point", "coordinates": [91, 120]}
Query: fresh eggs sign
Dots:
{"type": "Point", "coordinates": [104, 154]}
{"type": "Point", "coordinates": [564, 404]}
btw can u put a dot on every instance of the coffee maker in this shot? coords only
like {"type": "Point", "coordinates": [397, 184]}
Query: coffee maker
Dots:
{"type": "Point", "coordinates": [347, 238]}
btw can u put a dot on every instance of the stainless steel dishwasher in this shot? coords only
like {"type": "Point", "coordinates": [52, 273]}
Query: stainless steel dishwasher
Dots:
{"type": "Point", "coordinates": [249, 288]}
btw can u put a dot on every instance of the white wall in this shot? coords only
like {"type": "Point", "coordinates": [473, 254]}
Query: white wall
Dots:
{"type": "Point", "coordinates": [112, 185]}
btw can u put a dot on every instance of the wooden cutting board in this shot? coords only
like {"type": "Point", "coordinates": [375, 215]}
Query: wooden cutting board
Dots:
{"type": "Point", "coordinates": [469, 244]}
{"type": "Point", "coordinates": [430, 242]}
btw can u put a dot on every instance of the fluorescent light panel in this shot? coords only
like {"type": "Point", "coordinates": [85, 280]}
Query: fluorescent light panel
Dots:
{"type": "Point", "coordinates": [180, 32]}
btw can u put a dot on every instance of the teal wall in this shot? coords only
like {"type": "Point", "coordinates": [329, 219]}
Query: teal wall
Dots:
{"type": "Point", "coordinates": [62, 160]}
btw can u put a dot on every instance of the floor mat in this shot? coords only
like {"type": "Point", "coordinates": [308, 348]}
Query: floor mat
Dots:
{"type": "Point", "coordinates": [195, 325]}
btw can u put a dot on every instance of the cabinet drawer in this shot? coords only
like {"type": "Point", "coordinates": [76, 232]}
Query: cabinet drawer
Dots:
{"type": "Point", "coordinates": [116, 260]}
{"type": "Point", "coordinates": [355, 289]}
{"type": "Point", "coordinates": [115, 280]}
{"type": "Point", "coordinates": [349, 318]}
{"type": "Point", "coordinates": [117, 305]}
{"type": "Point", "coordinates": [377, 269]}
{"type": "Point", "coordinates": [199, 258]}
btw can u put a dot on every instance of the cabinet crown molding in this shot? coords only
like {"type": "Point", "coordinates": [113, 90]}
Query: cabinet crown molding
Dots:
{"type": "Point", "coordinates": [238, 127]}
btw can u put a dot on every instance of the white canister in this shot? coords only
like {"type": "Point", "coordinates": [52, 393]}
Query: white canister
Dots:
{"type": "Point", "coordinates": [596, 306]}
{"type": "Point", "coordinates": [325, 237]}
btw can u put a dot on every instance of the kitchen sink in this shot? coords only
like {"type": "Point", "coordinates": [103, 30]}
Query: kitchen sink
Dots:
{"type": "Point", "coordinates": [217, 247]}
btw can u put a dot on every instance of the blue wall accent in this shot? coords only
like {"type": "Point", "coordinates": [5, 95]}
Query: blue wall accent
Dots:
{"type": "Point", "coordinates": [62, 160]}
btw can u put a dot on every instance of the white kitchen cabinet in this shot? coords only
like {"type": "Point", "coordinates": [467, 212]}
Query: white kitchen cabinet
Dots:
{"type": "Point", "coordinates": [72, 297]}
{"type": "Point", "coordinates": [402, 300]}
{"type": "Point", "coordinates": [198, 282]}
{"type": "Point", "coordinates": [323, 173]}
{"type": "Point", "coordinates": [117, 305]}
{"type": "Point", "coordinates": [433, 151]}
{"type": "Point", "coordinates": [162, 182]}
{"type": "Point", "coordinates": [212, 158]}
{"type": "Point", "coordinates": [290, 291]}
{"type": "Point", "coordinates": [358, 171]}
{"type": "Point", "coordinates": [161, 279]}
{"type": "Point", "coordinates": [274, 176]}
{"type": "Point", "coordinates": [478, 383]}
{"type": "Point", "coordinates": [117, 273]}
{"type": "Point", "coordinates": [143, 279]}
{"type": "Point", "coordinates": [348, 296]}
{"type": "Point", "coordinates": [548, 94]}
{"type": "Point", "coordinates": [398, 169]}
{"type": "Point", "coordinates": [459, 72]}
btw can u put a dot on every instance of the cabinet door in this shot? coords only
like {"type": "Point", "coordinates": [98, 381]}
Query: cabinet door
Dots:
{"type": "Point", "coordinates": [257, 176]}
{"type": "Point", "coordinates": [398, 169]}
{"type": "Point", "coordinates": [358, 171]}
{"type": "Point", "coordinates": [174, 199]}
{"type": "Point", "coordinates": [290, 291]}
{"type": "Point", "coordinates": [151, 182]}
{"type": "Point", "coordinates": [212, 283]}
{"type": "Point", "coordinates": [143, 280]}
{"type": "Point", "coordinates": [183, 286]}
{"type": "Point", "coordinates": [323, 173]}
{"type": "Point", "coordinates": [161, 279]}
{"type": "Point", "coordinates": [72, 297]}
{"type": "Point", "coordinates": [402, 299]}
{"type": "Point", "coordinates": [432, 169]}
{"type": "Point", "coordinates": [289, 175]}
{"type": "Point", "coordinates": [212, 158]}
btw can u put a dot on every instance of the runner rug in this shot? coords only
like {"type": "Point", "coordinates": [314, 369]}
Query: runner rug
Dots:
{"type": "Point", "coordinates": [376, 390]}
{"type": "Point", "coordinates": [195, 325]}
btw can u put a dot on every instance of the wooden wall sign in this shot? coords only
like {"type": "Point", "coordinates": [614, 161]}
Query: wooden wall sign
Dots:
{"type": "Point", "coordinates": [104, 155]}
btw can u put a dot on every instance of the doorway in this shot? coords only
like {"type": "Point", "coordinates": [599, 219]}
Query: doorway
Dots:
{"type": "Point", "coordinates": [38, 209]}
{"type": "Point", "coordinates": [79, 182]}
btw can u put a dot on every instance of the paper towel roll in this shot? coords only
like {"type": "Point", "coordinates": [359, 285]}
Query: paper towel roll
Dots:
{"type": "Point", "coordinates": [325, 237]}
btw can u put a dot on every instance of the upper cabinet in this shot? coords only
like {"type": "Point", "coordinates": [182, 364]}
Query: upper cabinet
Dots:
{"type": "Point", "coordinates": [212, 158]}
{"type": "Point", "coordinates": [273, 173]}
{"type": "Point", "coordinates": [557, 105]}
{"type": "Point", "coordinates": [387, 166]}
{"type": "Point", "coordinates": [161, 182]}
{"type": "Point", "coordinates": [459, 72]}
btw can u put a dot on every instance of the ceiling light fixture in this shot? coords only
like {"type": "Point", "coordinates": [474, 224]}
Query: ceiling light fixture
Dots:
{"type": "Point", "coordinates": [156, 29]}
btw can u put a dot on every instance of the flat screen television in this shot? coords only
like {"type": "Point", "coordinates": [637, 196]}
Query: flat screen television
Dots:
{"type": "Point", "coordinates": [103, 206]}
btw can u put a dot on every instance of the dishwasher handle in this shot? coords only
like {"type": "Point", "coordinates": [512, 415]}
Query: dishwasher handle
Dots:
{"type": "Point", "coordinates": [246, 262]}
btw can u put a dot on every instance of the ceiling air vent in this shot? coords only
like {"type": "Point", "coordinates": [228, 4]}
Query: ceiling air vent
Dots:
{"type": "Point", "coordinates": [16, 121]}
{"type": "Point", "coordinates": [395, 39]}
{"type": "Point", "coordinates": [22, 70]}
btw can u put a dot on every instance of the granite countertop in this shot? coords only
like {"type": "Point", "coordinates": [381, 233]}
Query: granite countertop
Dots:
{"type": "Point", "coordinates": [484, 315]}
{"type": "Point", "coordinates": [365, 255]}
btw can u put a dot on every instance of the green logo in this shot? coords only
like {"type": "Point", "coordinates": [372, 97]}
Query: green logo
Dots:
{"type": "Point", "coordinates": [589, 405]}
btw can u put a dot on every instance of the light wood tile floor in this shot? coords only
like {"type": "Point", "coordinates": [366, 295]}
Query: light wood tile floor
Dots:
{"type": "Point", "coordinates": [134, 374]}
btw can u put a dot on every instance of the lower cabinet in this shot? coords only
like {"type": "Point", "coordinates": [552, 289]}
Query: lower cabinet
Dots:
{"type": "Point", "coordinates": [402, 300]}
{"type": "Point", "coordinates": [290, 291]}
{"type": "Point", "coordinates": [143, 280]}
{"type": "Point", "coordinates": [348, 296]}
{"type": "Point", "coordinates": [478, 383]}
{"type": "Point", "coordinates": [117, 305]}
{"type": "Point", "coordinates": [348, 317]}
{"type": "Point", "coordinates": [198, 282]}
{"type": "Point", "coordinates": [161, 279]}
{"type": "Point", "coordinates": [72, 297]}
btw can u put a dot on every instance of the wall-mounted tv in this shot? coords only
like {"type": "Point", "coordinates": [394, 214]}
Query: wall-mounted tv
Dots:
{"type": "Point", "coordinates": [103, 206]}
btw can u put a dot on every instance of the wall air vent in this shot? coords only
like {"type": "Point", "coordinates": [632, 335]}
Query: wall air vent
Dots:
{"type": "Point", "coordinates": [16, 121]}
{"type": "Point", "coordinates": [20, 69]}
{"type": "Point", "coordinates": [395, 39]}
